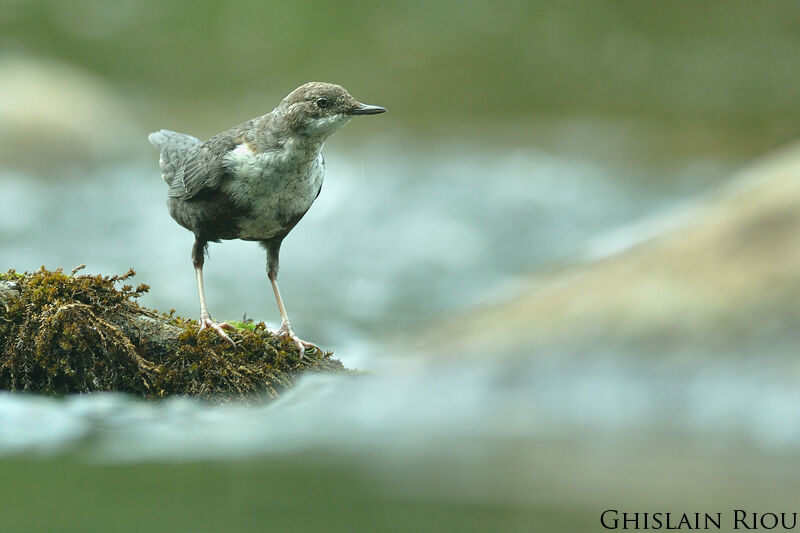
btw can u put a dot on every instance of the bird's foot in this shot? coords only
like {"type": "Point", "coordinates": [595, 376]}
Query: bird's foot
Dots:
{"type": "Point", "coordinates": [285, 332]}
{"type": "Point", "coordinates": [206, 322]}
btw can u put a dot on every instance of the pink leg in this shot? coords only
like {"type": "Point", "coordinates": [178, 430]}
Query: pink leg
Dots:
{"type": "Point", "coordinates": [285, 330]}
{"type": "Point", "coordinates": [205, 318]}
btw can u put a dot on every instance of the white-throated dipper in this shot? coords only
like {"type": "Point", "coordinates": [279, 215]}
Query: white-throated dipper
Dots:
{"type": "Point", "coordinates": [254, 181]}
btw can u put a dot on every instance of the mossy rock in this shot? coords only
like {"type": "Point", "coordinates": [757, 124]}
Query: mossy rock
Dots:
{"type": "Point", "coordinates": [62, 334]}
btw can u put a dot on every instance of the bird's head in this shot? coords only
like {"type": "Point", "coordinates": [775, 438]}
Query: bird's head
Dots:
{"type": "Point", "coordinates": [318, 109]}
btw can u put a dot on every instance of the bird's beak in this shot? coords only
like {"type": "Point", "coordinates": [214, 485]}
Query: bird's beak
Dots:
{"type": "Point", "coordinates": [364, 109]}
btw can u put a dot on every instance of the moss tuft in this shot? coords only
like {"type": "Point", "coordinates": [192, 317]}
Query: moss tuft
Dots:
{"type": "Point", "coordinates": [80, 333]}
{"type": "Point", "coordinates": [249, 325]}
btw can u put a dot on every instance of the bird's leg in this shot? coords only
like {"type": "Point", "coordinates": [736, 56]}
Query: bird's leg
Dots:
{"type": "Point", "coordinates": [273, 250]}
{"type": "Point", "coordinates": [286, 328]}
{"type": "Point", "coordinates": [205, 318]}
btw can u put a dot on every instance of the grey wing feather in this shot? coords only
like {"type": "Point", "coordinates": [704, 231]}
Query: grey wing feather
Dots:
{"type": "Point", "coordinates": [202, 169]}
{"type": "Point", "coordinates": [187, 164]}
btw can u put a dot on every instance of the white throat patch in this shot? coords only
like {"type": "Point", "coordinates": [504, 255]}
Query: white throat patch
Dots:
{"type": "Point", "coordinates": [329, 124]}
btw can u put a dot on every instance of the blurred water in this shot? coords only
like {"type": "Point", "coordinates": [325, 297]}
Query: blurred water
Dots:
{"type": "Point", "coordinates": [392, 241]}
{"type": "Point", "coordinates": [523, 442]}
{"type": "Point", "coordinates": [429, 412]}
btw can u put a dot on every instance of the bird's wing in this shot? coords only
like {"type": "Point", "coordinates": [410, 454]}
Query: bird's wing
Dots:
{"type": "Point", "coordinates": [201, 168]}
{"type": "Point", "coordinates": [189, 165]}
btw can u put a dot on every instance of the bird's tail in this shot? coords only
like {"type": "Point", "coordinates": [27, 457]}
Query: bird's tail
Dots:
{"type": "Point", "coordinates": [173, 147]}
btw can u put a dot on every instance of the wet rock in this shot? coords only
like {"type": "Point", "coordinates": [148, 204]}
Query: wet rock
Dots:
{"type": "Point", "coordinates": [720, 277]}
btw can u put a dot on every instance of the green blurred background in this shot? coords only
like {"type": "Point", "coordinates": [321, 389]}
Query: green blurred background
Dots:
{"type": "Point", "coordinates": [720, 70]}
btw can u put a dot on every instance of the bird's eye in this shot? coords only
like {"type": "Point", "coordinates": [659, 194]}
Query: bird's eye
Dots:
{"type": "Point", "coordinates": [323, 102]}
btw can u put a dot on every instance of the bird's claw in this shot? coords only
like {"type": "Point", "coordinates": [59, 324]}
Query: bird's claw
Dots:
{"type": "Point", "coordinates": [285, 332]}
{"type": "Point", "coordinates": [206, 322]}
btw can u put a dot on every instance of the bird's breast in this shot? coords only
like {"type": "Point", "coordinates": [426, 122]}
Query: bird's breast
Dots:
{"type": "Point", "coordinates": [273, 188]}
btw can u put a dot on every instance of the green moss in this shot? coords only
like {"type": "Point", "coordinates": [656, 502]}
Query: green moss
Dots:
{"type": "Point", "coordinates": [79, 333]}
{"type": "Point", "coordinates": [250, 325]}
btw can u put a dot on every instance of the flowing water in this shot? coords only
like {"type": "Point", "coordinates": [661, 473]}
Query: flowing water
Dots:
{"type": "Point", "coordinates": [393, 240]}
{"type": "Point", "coordinates": [512, 442]}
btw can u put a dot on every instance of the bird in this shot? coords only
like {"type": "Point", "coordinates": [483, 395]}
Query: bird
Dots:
{"type": "Point", "coordinates": [254, 181]}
